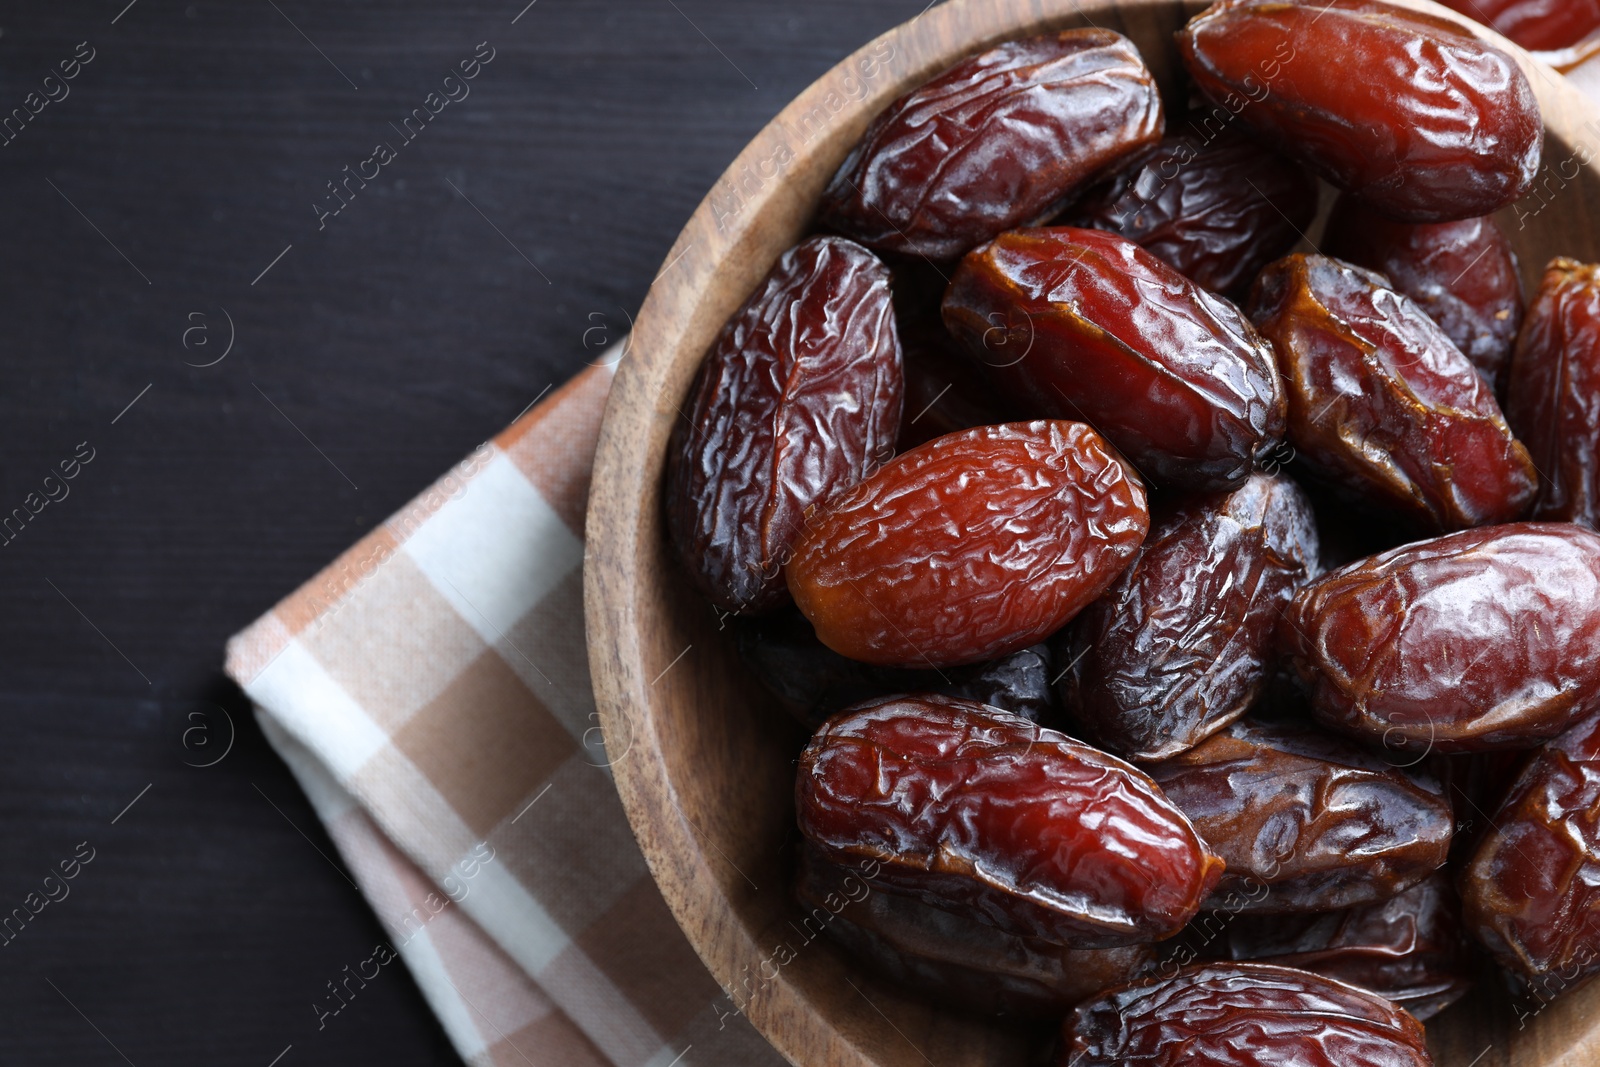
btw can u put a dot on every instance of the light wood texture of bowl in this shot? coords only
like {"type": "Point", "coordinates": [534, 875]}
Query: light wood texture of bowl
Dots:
{"type": "Point", "coordinates": [702, 759]}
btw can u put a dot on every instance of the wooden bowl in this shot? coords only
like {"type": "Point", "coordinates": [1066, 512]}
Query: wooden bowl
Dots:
{"type": "Point", "coordinates": [702, 759]}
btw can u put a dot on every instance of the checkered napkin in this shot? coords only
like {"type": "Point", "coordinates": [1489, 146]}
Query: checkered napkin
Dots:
{"type": "Point", "coordinates": [430, 691]}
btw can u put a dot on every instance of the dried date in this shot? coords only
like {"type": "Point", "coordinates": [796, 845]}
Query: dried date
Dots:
{"type": "Point", "coordinates": [998, 141]}
{"type": "Point", "coordinates": [963, 964]}
{"type": "Point", "coordinates": [813, 682]}
{"type": "Point", "coordinates": [1474, 641]}
{"type": "Point", "coordinates": [1216, 208]}
{"type": "Point", "coordinates": [993, 817]}
{"type": "Point", "coordinates": [1251, 1014]}
{"type": "Point", "coordinates": [1305, 821]}
{"type": "Point", "coordinates": [1407, 949]}
{"type": "Point", "coordinates": [1381, 404]}
{"type": "Point", "coordinates": [1438, 125]}
{"type": "Point", "coordinates": [1178, 648]}
{"type": "Point", "coordinates": [1537, 25]}
{"type": "Point", "coordinates": [973, 546]}
{"type": "Point", "coordinates": [1554, 384]}
{"type": "Point", "coordinates": [1462, 274]}
{"type": "Point", "coordinates": [1076, 323]}
{"type": "Point", "coordinates": [766, 436]}
{"type": "Point", "coordinates": [1531, 894]}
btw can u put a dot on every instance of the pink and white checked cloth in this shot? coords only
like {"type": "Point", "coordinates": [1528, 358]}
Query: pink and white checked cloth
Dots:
{"type": "Point", "coordinates": [430, 691]}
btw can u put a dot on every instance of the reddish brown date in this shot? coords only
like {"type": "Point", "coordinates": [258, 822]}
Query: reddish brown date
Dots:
{"type": "Point", "coordinates": [988, 815]}
{"type": "Point", "coordinates": [1554, 398]}
{"type": "Point", "coordinates": [1409, 112]}
{"type": "Point", "coordinates": [1537, 25]}
{"type": "Point", "coordinates": [1531, 894]}
{"type": "Point", "coordinates": [962, 964]}
{"type": "Point", "coordinates": [1381, 404]}
{"type": "Point", "coordinates": [945, 393]}
{"type": "Point", "coordinates": [813, 682]}
{"type": "Point", "coordinates": [1479, 640]}
{"type": "Point", "coordinates": [766, 435]}
{"type": "Point", "coordinates": [1305, 821]}
{"type": "Point", "coordinates": [1178, 647]}
{"type": "Point", "coordinates": [971, 547]}
{"type": "Point", "coordinates": [1216, 208]}
{"type": "Point", "coordinates": [1084, 324]}
{"type": "Point", "coordinates": [998, 141]}
{"type": "Point", "coordinates": [1463, 274]}
{"type": "Point", "coordinates": [1245, 1014]}
{"type": "Point", "coordinates": [1407, 949]}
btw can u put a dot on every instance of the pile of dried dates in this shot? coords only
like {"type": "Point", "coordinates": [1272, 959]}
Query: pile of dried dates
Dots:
{"type": "Point", "coordinates": [1199, 638]}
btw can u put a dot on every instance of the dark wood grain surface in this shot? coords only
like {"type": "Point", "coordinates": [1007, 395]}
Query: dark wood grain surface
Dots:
{"type": "Point", "coordinates": [497, 251]}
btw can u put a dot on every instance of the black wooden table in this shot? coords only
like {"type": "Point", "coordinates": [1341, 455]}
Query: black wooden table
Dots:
{"type": "Point", "coordinates": [177, 180]}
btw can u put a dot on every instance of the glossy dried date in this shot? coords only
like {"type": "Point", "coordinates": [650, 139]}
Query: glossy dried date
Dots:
{"type": "Point", "coordinates": [766, 435]}
{"type": "Point", "coordinates": [962, 964]}
{"type": "Point", "coordinates": [998, 141]}
{"type": "Point", "coordinates": [1537, 25]}
{"type": "Point", "coordinates": [1241, 1014]}
{"type": "Point", "coordinates": [1407, 949]}
{"type": "Point", "coordinates": [1462, 274]}
{"type": "Point", "coordinates": [1437, 126]}
{"type": "Point", "coordinates": [973, 546]}
{"type": "Point", "coordinates": [1216, 208]}
{"type": "Point", "coordinates": [1076, 323]}
{"type": "Point", "coordinates": [995, 818]}
{"type": "Point", "coordinates": [1305, 821]}
{"type": "Point", "coordinates": [1381, 404]}
{"type": "Point", "coordinates": [1178, 648]}
{"type": "Point", "coordinates": [1477, 640]}
{"type": "Point", "coordinates": [1554, 385]}
{"type": "Point", "coordinates": [813, 682]}
{"type": "Point", "coordinates": [1531, 894]}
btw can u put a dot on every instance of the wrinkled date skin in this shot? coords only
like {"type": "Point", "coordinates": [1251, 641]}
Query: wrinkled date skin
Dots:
{"type": "Point", "coordinates": [1381, 404]}
{"type": "Point", "coordinates": [974, 546]}
{"type": "Point", "coordinates": [1411, 113]}
{"type": "Point", "coordinates": [1538, 25]}
{"type": "Point", "coordinates": [966, 965]}
{"type": "Point", "coordinates": [1479, 640]}
{"type": "Point", "coordinates": [766, 436]}
{"type": "Point", "coordinates": [945, 393]}
{"type": "Point", "coordinates": [1003, 821]}
{"type": "Point", "coordinates": [1244, 1014]}
{"type": "Point", "coordinates": [1215, 209]}
{"type": "Point", "coordinates": [1305, 821]}
{"type": "Point", "coordinates": [1408, 949]}
{"type": "Point", "coordinates": [1178, 648]}
{"type": "Point", "coordinates": [1463, 274]}
{"type": "Point", "coordinates": [1531, 894]}
{"type": "Point", "coordinates": [813, 682]}
{"type": "Point", "coordinates": [996, 142]}
{"type": "Point", "coordinates": [1084, 324]}
{"type": "Point", "coordinates": [1554, 398]}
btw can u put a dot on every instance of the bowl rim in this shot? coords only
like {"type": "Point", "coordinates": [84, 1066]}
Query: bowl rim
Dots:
{"type": "Point", "coordinates": [624, 485]}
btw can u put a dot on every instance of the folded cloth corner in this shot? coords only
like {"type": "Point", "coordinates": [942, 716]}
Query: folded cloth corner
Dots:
{"type": "Point", "coordinates": [430, 692]}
